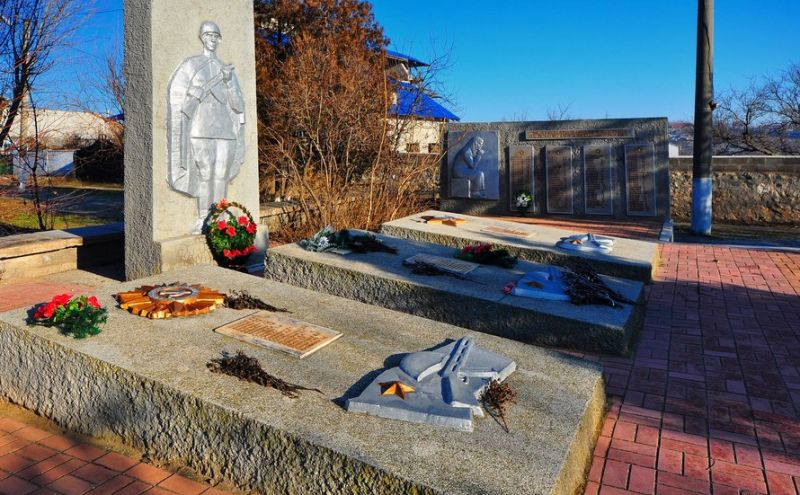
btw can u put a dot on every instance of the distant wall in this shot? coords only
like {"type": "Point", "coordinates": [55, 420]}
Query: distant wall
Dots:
{"type": "Point", "coordinates": [576, 136]}
{"type": "Point", "coordinates": [747, 189]}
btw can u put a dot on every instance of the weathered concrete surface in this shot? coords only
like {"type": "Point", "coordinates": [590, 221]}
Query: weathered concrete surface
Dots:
{"type": "Point", "coordinates": [630, 258]}
{"type": "Point", "coordinates": [158, 36]}
{"type": "Point", "coordinates": [478, 304]}
{"type": "Point", "coordinates": [145, 382]}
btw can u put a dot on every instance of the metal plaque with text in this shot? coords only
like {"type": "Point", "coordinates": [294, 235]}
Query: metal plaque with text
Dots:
{"type": "Point", "coordinates": [520, 159]}
{"type": "Point", "coordinates": [640, 179]}
{"type": "Point", "coordinates": [598, 188]}
{"type": "Point", "coordinates": [558, 183]}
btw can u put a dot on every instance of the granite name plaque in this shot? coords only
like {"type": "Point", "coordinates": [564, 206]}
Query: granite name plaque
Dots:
{"type": "Point", "coordinates": [579, 134]}
{"type": "Point", "coordinates": [282, 333]}
{"type": "Point", "coordinates": [520, 159]}
{"type": "Point", "coordinates": [640, 179]}
{"type": "Point", "coordinates": [598, 189]}
{"type": "Point", "coordinates": [558, 173]}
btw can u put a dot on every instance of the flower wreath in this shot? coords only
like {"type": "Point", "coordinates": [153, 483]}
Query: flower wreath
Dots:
{"type": "Point", "coordinates": [231, 236]}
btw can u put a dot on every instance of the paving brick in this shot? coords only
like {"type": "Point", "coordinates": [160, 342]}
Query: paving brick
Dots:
{"type": "Point", "coordinates": [16, 486]}
{"type": "Point", "coordinates": [58, 442]}
{"type": "Point", "coordinates": [31, 433]}
{"type": "Point", "coordinates": [642, 480]}
{"type": "Point", "coordinates": [70, 485]}
{"type": "Point", "coordinates": [85, 452]}
{"type": "Point", "coordinates": [94, 474]}
{"type": "Point", "coordinates": [670, 461]}
{"type": "Point", "coordinates": [147, 473]}
{"type": "Point", "coordinates": [180, 484]}
{"type": "Point", "coordinates": [13, 463]}
{"type": "Point", "coordinates": [616, 474]}
{"type": "Point", "coordinates": [738, 476]}
{"type": "Point", "coordinates": [117, 462]}
{"type": "Point", "coordinates": [36, 452]}
{"type": "Point", "coordinates": [113, 485]}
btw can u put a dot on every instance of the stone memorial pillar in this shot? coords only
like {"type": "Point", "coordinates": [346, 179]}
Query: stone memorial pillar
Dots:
{"type": "Point", "coordinates": [190, 127]}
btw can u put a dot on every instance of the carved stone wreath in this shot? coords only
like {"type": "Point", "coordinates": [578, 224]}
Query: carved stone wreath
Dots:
{"type": "Point", "coordinates": [170, 300]}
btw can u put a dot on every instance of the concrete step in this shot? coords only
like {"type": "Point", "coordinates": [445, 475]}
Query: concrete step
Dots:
{"type": "Point", "coordinates": [630, 258]}
{"type": "Point", "coordinates": [145, 383]}
{"type": "Point", "coordinates": [476, 302]}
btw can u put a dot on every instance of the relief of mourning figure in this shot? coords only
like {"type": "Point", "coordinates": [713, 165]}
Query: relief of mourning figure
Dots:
{"type": "Point", "coordinates": [465, 166]}
{"type": "Point", "coordinates": [205, 125]}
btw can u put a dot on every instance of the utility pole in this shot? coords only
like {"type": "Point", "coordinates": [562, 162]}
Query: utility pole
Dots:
{"type": "Point", "coordinates": [703, 107]}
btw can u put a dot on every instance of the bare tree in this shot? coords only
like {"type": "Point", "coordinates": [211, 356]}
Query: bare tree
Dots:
{"type": "Point", "coordinates": [31, 31]}
{"type": "Point", "coordinates": [763, 118]}
{"type": "Point", "coordinates": [560, 113]}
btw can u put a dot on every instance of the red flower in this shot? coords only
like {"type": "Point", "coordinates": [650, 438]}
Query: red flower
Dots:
{"type": "Point", "coordinates": [231, 231]}
{"type": "Point", "coordinates": [251, 228]}
{"type": "Point", "coordinates": [236, 253]}
{"type": "Point", "coordinates": [227, 253]}
{"type": "Point", "coordinates": [243, 220]}
{"type": "Point", "coordinates": [93, 302]}
{"type": "Point", "coordinates": [222, 225]}
{"type": "Point", "coordinates": [250, 249]}
{"type": "Point", "coordinates": [60, 299]}
{"type": "Point", "coordinates": [45, 311]}
{"type": "Point", "coordinates": [223, 203]}
{"type": "Point", "coordinates": [509, 287]}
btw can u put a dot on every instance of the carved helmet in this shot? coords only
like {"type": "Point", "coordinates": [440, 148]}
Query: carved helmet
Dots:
{"type": "Point", "coordinates": [209, 27]}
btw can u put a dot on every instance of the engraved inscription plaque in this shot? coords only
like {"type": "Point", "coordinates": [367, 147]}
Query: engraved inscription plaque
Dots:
{"type": "Point", "coordinates": [598, 190]}
{"type": "Point", "coordinates": [447, 264]}
{"type": "Point", "coordinates": [558, 174]}
{"type": "Point", "coordinates": [282, 333]}
{"type": "Point", "coordinates": [640, 179]}
{"type": "Point", "coordinates": [520, 158]}
{"type": "Point", "coordinates": [578, 134]}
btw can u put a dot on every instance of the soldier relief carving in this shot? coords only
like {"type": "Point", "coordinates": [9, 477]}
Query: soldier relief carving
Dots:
{"type": "Point", "coordinates": [205, 125]}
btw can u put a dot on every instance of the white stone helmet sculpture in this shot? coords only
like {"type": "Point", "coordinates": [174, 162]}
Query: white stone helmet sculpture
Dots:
{"type": "Point", "coordinates": [209, 27]}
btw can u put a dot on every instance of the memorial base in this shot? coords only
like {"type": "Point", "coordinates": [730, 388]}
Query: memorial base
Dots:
{"type": "Point", "coordinates": [145, 383]}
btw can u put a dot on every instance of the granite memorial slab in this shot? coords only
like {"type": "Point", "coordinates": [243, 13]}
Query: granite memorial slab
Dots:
{"type": "Point", "coordinates": [631, 258]}
{"type": "Point", "coordinates": [558, 173]}
{"type": "Point", "coordinates": [472, 299]}
{"type": "Point", "coordinates": [598, 185]}
{"type": "Point", "coordinates": [521, 172]}
{"type": "Point", "coordinates": [145, 383]}
{"type": "Point", "coordinates": [640, 179]}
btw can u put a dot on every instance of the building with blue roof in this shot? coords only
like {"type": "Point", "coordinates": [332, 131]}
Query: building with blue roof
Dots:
{"type": "Point", "coordinates": [421, 118]}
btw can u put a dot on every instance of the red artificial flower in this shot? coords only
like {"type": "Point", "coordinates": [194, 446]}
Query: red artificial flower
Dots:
{"type": "Point", "coordinates": [227, 253]}
{"type": "Point", "coordinates": [231, 231]}
{"type": "Point", "coordinates": [46, 311]}
{"type": "Point", "coordinates": [509, 287]}
{"type": "Point", "coordinates": [60, 299]}
{"type": "Point", "coordinates": [251, 228]}
{"type": "Point", "coordinates": [223, 203]}
{"type": "Point", "coordinates": [251, 249]}
{"type": "Point", "coordinates": [222, 225]}
{"type": "Point", "coordinates": [243, 220]}
{"type": "Point", "coordinates": [93, 302]}
{"type": "Point", "coordinates": [236, 253]}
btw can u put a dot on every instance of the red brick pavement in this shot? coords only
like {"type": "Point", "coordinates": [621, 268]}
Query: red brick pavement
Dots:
{"type": "Point", "coordinates": [37, 462]}
{"type": "Point", "coordinates": [19, 295]}
{"type": "Point", "coordinates": [710, 400]}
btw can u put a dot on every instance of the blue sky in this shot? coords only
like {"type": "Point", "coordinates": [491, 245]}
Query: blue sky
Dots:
{"type": "Point", "coordinates": [517, 59]}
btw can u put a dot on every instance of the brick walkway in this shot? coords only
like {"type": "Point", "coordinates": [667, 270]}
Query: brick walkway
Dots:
{"type": "Point", "coordinates": [22, 294]}
{"type": "Point", "coordinates": [710, 400]}
{"type": "Point", "coordinates": [37, 462]}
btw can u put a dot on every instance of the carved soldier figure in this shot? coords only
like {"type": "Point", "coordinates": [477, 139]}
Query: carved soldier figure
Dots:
{"type": "Point", "coordinates": [205, 125]}
{"type": "Point", "coordinates": [465, 166]}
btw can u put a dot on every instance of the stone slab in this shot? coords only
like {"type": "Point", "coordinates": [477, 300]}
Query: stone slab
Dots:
{"type": "Point", "coordinates": [145, 382]}
{"type": "Point", "coordinates": [13, 246]}
{"type": "Point", "coordinates": [37, 265]}
{"type": "Point", "coordinates": [477, 303]}
{"type": "Point", "coordinates": [631, 259]}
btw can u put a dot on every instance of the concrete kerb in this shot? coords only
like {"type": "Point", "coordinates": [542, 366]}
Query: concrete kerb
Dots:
{"type": "Point", "coordinates": [145, 383]}
{"type": "Point", "coordinates": [477, 303]}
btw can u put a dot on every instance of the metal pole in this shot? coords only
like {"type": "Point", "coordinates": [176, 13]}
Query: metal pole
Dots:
{"type": "Point", "coordinates": [703, 108]}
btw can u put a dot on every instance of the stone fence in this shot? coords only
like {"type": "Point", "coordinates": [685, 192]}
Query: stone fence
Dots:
{"type": "Point", "coordinates": [747, 189]}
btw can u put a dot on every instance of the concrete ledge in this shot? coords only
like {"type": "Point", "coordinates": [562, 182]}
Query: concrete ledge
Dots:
{"type": "Point", "coordinates": [631, 259]}
{"type": "Point", "coordinates": [42, 253]}
{"type": "Point", "coordinates": [478, 304]}
{"type": "Point", "coordinates": [145, 382]}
